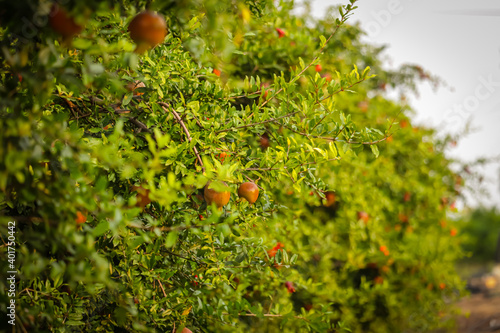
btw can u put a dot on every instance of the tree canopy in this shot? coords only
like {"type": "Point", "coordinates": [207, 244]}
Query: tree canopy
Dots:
{"type": "Point", "coordinates": [115, 149]}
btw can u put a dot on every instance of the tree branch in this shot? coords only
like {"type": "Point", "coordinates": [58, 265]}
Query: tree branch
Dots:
{"type": "Point", "coordinates": [266, 315]}
{"type": "Point", "coordinates": [259, 123]}
{"type": "Point", "coordinates": [161, 286]}
{"type": "Point", "coordinates": [179, 120]}
{"type": "Point", "coordinates": [138, 123]}
{"type": "Point", "coordinates": [285, 167]}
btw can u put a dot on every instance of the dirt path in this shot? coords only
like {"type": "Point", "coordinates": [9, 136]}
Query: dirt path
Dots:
{"type": "Point", "coordinates": [483, 314]}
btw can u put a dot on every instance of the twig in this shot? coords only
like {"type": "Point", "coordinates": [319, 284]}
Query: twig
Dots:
{"type": "Point", "coordinates": [161, 286]}
{"type": "Point", "coordinates": [175, 228]}
{"type": "Point", "coordinates": [285, 167]}
{"type": "Point", "coordinates": [380, 140]}
{"type": "Point", "coordinates": [139, 124]}
{"type": "Point", "coordinates": [185, 258]}
{"type": "Point", "coordinates": [335, 139]}
{"type": "Point", "coordinates": [258, 92]}
{"type": "Point", "coordinates": [255, 182]}
{"type": "Point", "coordinates": [179, 120]}
{"type": "Point", "coordinates": [266, 315]}
{"type": "Point", "coordinates": [319, 122]}
{"type": "Point", "coordinates": [259, 123]}
{"type": "Point", "coordinates": [272, 301]}
{"type": "Point", "coordinates": [118, 111]}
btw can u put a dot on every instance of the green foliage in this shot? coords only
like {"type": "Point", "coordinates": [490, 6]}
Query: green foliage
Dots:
{"type": "Point", "coordinates": [481, 229]}
{"type": "Point", "coordinates": [76, 144]}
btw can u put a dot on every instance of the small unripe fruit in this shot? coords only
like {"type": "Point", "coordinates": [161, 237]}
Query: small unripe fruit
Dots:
{"type": "Point", "coordinates": [249, 191]}
{"type": "Point", "coordinates": [142, 196]}
{"type": "Point", "coordinates": [327, 76]}
{"type": "Point", "coordinates": [272, 252]}
{"type": "Point", "coordinates": [264, 142]}
{"type": "Point", "coordinates": [363, 106]}
{"type": "Point", "coordinates": [363, 216]}
{"type": "Point", "coordinates": [263, 88]}
{"type": "Point", "coordinates": [384, 250]}
{"type": "Point", "coordinates": [330, 199]}
{"type": "Point", "coordinates": [222, 156]}
{"type": "Point", "coordinates": [289, 286]}
{"type": "Point", "coordinates": [220, 199]}
{"type": "Point", "coordinates": [403, 217]}
{"type": "Point", "coordinates": [80, 218]}
{"type": "Point", "coordinates": [147, 29]}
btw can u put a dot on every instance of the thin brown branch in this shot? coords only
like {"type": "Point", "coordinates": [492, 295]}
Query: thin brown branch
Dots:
{"type": "Point", "coordinates": [319, 122]}
{"type": "Point", "coordinates": [259, 123]}
{"type": "Point", "coordinates": [255, 182]}
{"type": "Point", "coordinates": [175, 228]}
{"type": "Point", "coordinates": [161, 286]}
{"type": "Point", "coordinates": [285, 167]}
{"type": "Point", "coordinates": [186, 131]}
{"type": "Point", "coordinates": [139, 124]}
{"type": "Point", "coordinates": [266, 315]}
{"type": "Point", "coordinates": [258, 92]}
{"type": "Point", "coordinates": [382, 139]}
{"type": "Point", "coordinates": [335, 139]}
{"type": "Point", "coordinates": [185, 258]}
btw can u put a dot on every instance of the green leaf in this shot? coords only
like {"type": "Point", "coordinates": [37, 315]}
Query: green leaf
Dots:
{"type": "Point", "coordinates": [101, 228]}
{"type": "Point", "coordinates": [171, 239]}
{"type": "Point", "coordinates": [375, 150]}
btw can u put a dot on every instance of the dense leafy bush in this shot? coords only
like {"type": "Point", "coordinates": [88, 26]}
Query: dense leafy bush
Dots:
{"type": "Point", "coordinates": [105, 177]}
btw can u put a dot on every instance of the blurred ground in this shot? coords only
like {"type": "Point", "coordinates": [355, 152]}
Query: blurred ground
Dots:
{"type": "Point", "coordinates": [483, 314]}
{"type": "Point", "coordinates": [481, 309]}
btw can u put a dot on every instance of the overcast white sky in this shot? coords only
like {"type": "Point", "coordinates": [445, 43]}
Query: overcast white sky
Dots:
{"type": "Point", "coordinates": [458, 40]}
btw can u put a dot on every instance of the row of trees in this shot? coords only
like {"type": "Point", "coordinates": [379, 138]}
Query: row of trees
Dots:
{"type": "Point", "coordinates": [118, 139]}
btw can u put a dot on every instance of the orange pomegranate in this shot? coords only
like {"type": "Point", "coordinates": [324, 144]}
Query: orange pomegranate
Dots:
{"type": "Point", "coordinates": [62, 23]}
{"type": "Point", "coordinates": [220, 199]}
{"type": "Point", "coordinates": [147, 29]}
{"type": "Point", "coordinates": [249, 191]}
